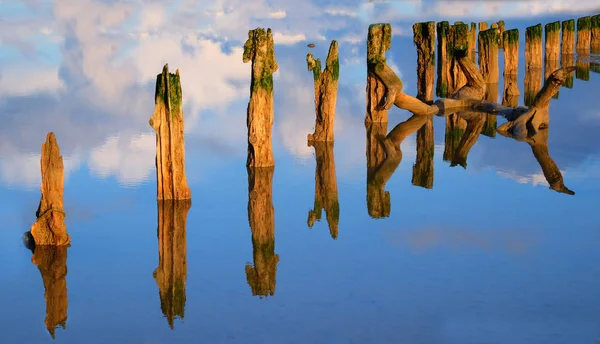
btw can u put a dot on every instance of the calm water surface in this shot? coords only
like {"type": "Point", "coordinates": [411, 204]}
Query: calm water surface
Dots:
{"type": "Point", "coordinates": [489, 254]}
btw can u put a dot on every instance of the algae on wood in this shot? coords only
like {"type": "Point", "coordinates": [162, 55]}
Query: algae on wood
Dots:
{"type": "Point", "coordinates": [49, 227]}
{"type": "Point", "coordinates": [167, 121]}
{"type": "Point", "coordinates": [458, 42]}
{"type": "Point", "coordinates": [259, 48]}
{"type": "Point", "coordinates": [261, 216]}
{"type": "Point", "coordinates": [488, 55]}
{"type": "Point", "coordinates": [52, 262]}
{"type": "Point", "coordinates": [443, 65]}
{"type": "Point", "coordinates": [455, 129]}
{"type": "Point", "coordinates": [379, 41]}
{"type": "Point", "coordinates": [423, 168]}
{"type": "Point", "coordinates": [326, 89]}
{"type": "Point", "coordinates": [552, 41]}
{"type": "Point", "coordinates": [378, 200]}
{"type": "Point", "coordinates": [568, 37]}
{"type": "Point", "coordinates": [171, 273]}
{"type": "Point", "coordinates": [583, 35]}
{"type": "Point", "coordinates": [326, 192]}
{"type": "Point", "coordinates": [424, 39]}
{"type": "Point", "coordinates": [533, 47]}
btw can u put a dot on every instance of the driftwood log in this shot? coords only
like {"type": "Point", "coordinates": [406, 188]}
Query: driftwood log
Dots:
{"type": "Point", "coordinates": [49, 227]}
{"type": "Point", "coordinates": [326, 89]}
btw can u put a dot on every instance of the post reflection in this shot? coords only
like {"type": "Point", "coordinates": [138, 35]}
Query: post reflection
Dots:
{"type": "Point", "coordinates": [52, 263]}
{"type": "Point", "coordinates": [261, 215]}
{"type": "Point", "coordinates": [378, 200]}
{"type": "Point", "coordinates": [171, 273]}
{"type": "Point", "coordinates": [326, 192]}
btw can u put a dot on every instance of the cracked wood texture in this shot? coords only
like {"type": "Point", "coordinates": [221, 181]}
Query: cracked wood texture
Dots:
{"type": "Point", "coordinates": [326, 89]}
{"type": "Point", "coordinates": [261, 215]}
{"type": "Point", "coordinates": [50, 227]}
{"type": "Point", "coordinates": [259, 48]}
{"type": "Point", "coordinates": [167, 122]}
{"type": "Point", "coordinates": [488, 55]}
{"type": "Point", "coordinates": [171, 273]}
{"type": "Point", "coordinates": [379, 41]}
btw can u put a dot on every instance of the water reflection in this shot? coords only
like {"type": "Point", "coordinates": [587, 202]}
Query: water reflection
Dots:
{"type": "Point", "coordinates": [52, 263]}
{"type": "Point", "coordinates": [261, 215]}
{"type": "Point", "coordinates": [378, 200]}
{"type": "Point", "coordinates": [475, 122]}
{"type": "Point", "coordinates": [326, 192]}
{"type": "Point", "coordinates": [171, 273]}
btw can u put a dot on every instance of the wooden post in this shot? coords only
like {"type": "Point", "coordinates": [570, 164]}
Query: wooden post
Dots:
{"type": "Point", "coordinates": [501, 29]}
{"type": "Point", "coordinates": [595, 33]}
{"type": "Point", "coordinates": [490, 124]}
{"type": "Point", "coordinates": [326, 89]}
{"type": "Point", "coordinates": [583, 69]}
{"type": "Point", "coordinates": [259, 48]}
{"type": "Point", "coordinates": [510, 95]}
{"type": "Point", "coordinates": [483, 26]}
{"type": "Point", "coordinates": [171, 273]}
{"type": "Point", "coordinates": [533, 47]}
{"type": "Point", "coordinates": [488, 55]}
{"type": "Point", "coordinates": [167, 122]}
{"type": "Point", "coordinates": [379, 41]}
{"type": "Point", "coordinates": [326, 192]}
{"type": "Point", "coordinates": [568, 37]}
{"type": "Point", "coordinates": [424, 39]}
{"type": "Point", "coordinates": [459, 40]}
{"type": "Point", "coordinates": [583, 35]}
{"type": "Point", "coordinates": [261, 215]}
{"type": "Point", "coordinates": [552, 49]}
{"type": "Point", "coordinates": [378, 200]}
{"type": "Point", "coordinates": [455, 128]}
{"type": "Point", "coordinates": [568, 60]}
{"type": "Point", "coordinates": [49, 227]}
{"type": "Point", "coordinates": [443, 65]}
{"type": "Point", "coordinates": [472, 42]}
{"type": "Point", "coordinates": [52, 262]}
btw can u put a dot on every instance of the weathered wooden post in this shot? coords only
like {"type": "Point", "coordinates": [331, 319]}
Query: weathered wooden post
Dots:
{"type": "Point", "coordinates": [259, 48]}
{"type": "Point", "coordinates": [49, 227]}
{"type": "Point", "coordinates": [378, 200]}
{"type": "Point", "coordinates": [379, 41]}
{"type": "Point", "coordinates": [568, 60]}
{"type": "Point", "coordinates": [167, 122]}
{"type": "Point", "coordinates": [458, 41]}
{"type": "Point", "coordinates": [326, 192]}
{"type": "Point", "coordinates": [533, 47]}
{"type": "Point", "coordinates": [472, 42]}
{"type": "Point", "coordinates": [326, 89]}
{"type": "Point", "coordinates": [510, 39]}
{"type": "Point", "coordinates": [488, 55]}
{"type": "Point", "coordinates": [568, 37]}
{"type": "Point", "coordinates": [583, 35]}
{"type": "Point", "coordinates": [501, 29]}
{"type": "Point", "coordinates": [51, 260]}
{"type": "Point", "coordinates": [491, 122]}
{"type": "Point", "coordinates": [582, 72]}
{"type": "Point", "coordinates": [171, 273]}
{"type": "Point", "coordinates": [443, 65]}
{"type": "Point", "coordinates": [595, 34]}
{"type": "Point", "coordinates": [455, 129]}
{"type": "Point", "coordinates": [261, 216]}
{"type": "Point", "coordinates": [552, 49]}
{"type": "Point", "coordinates": [424, 39]}
{"type": "Point", "coordinates": [483, 26]}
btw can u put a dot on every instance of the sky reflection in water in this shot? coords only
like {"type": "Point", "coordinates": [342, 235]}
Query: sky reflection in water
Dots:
{"type": "Point", "coordinates": [490, 254]}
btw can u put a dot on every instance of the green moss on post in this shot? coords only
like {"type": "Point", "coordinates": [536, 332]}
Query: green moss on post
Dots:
{"type": "Point", "coordinates": [379, 40]}
{"type": "Point", "coordinates": [326, 89]}
{"type": "Point", "coordinates": [441, 90]}
{"type": "Point", "coordinates": [458, 43]}
{"type": "Point", "coordinates": [552, 41]}
{"type": "Point", "coordinates": [568, 60]}
{"type": "Point", "coordinates": [168, 91]}
{"type": "Point", "coordinates": [424, 40]}
{"type": "Point", "coordinates": [583, 35]}
{"type": "Point", "coordinates": [259, 48]}
{"type": "Point", "coordinates": [595, 31]}
{"type": "Point", "coordinates": [488, 55]}
{"type": "Point", "coordinates": [583, 69]}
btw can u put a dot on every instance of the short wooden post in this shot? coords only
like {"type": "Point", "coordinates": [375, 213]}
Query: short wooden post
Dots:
{"type": "Point", "coordinates": [379, 41]}
{"type": "Point", "coordinates": [326, 89]}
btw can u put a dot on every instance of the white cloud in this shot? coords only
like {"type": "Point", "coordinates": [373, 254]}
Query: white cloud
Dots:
{"type": "Point", "coordinates": [277, 14]}
{"type": "Point", "coordinates": [288, 39]}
